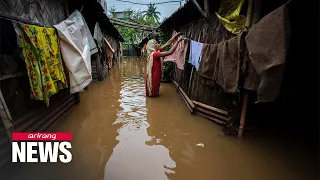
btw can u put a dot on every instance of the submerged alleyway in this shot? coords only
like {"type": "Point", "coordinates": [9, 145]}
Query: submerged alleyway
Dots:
{"type": "Point", "coordinates": [118, 133]}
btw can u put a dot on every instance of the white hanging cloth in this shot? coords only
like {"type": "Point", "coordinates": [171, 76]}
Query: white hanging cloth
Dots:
{"type": "Point", "coordinates": [77, 46]}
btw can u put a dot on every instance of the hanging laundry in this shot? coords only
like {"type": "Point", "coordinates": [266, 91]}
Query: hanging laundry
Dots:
{"type": "Point", "coordinates": [97, 35]}
{"type": "Point", "coordinates": [222, 62]}
{"type": "Point", "coordinates": [76, 42]}
{"type": "Point", "coordinates": [267, 43]}
{"type": "Point", "coordinates": [229, 15]}
{"type": "Point", "coordinates": [179, 55]}
{"type": "Point", "coordinates": [41, 53]}
{"type": "Point", "coordinates": [195, 53]}
{"type": "Point", "coordinates": [109, 52]}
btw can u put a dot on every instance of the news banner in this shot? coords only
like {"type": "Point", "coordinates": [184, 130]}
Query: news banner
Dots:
{"type": "Point", "coordinates": [43, 147]}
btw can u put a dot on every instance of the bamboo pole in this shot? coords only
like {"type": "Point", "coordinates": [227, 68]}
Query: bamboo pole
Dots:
{"type": "Point", "coordinates": [131, 23]}
{"type": "Point", "coordinates": [99, 68]}
{"type": "Point", "coordinates": [246, 95]}
{"type": "Point", "coordinates": [206, 7]}
{"type": "Point", "coordinates": [249, 14]}
{"type": "Point", "coordinates": [199, 8]}
{"type": "Point", "coordinates": [190, 81]}
{"type": "Point", "coordinates": [183, 94]}
{"type": "Point", "coordinates": [211, 118]}
{"type": "Point", "coordinates": [243, 114]}
{"type": "Point", "coordinates": [220, 111]}
{"type": "Point", "coordinates": [179, 80]}
{"type": "Point", "coordinates": [213, 114]}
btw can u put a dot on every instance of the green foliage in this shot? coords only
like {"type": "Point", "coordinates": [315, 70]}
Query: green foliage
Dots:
{"type": "Point", "coordinates": [164, 36]}
{"type": "Point", "coordinates": [131, 35]}
{"type": "Point", "coordinates": [112, 11]}
{"type": "Point", "coordinates": [167, 71]}
{"type": "Point", "coordinates": [152, 12]}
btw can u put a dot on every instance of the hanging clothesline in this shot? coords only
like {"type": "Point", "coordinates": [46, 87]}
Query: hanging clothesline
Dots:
{"type": "Point", "coordinates": [184, 37]}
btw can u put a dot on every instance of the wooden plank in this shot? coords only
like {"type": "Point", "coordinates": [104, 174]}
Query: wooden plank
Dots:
{"type": "Point", "coordinates": [211, 108]}
{"type": "Point", "coordinates": [211, 118]}
{"type": "Point", "coordinates": [208, 112]}
{"type": "Point", "coordinates": [243, 114]}
{"type": "Point", "coordinates": [184, 95]}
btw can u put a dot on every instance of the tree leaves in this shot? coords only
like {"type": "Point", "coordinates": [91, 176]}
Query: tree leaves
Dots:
{"type": "Point", "coordinates": [150, 17]}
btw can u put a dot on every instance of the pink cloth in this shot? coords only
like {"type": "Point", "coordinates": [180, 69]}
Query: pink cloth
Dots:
{"type": "Point", "coordinates": [179, 55]}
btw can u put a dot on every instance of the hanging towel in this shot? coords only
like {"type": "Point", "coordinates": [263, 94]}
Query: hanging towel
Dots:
{"type": "Point", "coordinates": [179, 55]}
{"type": "Point", "coordinates": [208, 61]}
{"type": "Point", "coordinates": [40, 47]}
{"type": "Point", "coordinates": [222, 62]}
{"type": "Point", "coordinates": [195, 53]}
{"type": "Point", "coordinates": [76, 42]}
{"type": "Point", "coordinates": [267, 45]}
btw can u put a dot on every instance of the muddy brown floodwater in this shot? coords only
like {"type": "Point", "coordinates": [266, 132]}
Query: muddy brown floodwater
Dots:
{"type": "Point", "coordinates": [118, 134]}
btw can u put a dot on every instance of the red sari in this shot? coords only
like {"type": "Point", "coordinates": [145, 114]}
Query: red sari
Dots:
{"type": "Point", "coordinates": [156, 75]}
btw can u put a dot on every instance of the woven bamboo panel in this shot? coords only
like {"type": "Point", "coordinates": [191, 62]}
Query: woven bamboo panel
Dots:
{"type": "Point", "coordinates": [208, 31]}
{"type": "Point", "coordinates": [46, 12]}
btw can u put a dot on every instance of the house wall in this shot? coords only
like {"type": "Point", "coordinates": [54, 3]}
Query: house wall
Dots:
{"type": "Point", "coordinates": [17, 111]}
{"type": "Point", "coordinates": [14, 83]}
{"type": "Point", "coordinates": [209, 31]}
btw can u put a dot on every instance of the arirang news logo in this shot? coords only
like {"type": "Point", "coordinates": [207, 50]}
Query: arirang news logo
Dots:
{"type": "Point", "coordinates": [41, 147]}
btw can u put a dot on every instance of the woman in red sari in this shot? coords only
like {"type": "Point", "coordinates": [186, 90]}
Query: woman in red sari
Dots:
{"type": "Point", "coordinates": [153, 75]}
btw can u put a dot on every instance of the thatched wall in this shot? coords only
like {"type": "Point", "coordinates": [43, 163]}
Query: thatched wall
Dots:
{"type": "Point", "coordinates": [209, 31]}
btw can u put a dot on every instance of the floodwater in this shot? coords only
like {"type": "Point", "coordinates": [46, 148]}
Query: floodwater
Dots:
{"type": "Point", "coordinates": [119, 133]}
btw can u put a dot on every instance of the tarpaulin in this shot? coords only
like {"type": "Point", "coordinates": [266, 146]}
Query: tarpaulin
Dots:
{"type": "Point", "coordinates": [76, 42]}
{"type": "Point", "coordinates": [97, 35]}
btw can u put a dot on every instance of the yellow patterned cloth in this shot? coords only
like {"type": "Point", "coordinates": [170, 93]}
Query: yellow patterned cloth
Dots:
{"type": "Point", "coordinates": [40, 46]}
{"type": "Point", "coordinates": [229, 15]}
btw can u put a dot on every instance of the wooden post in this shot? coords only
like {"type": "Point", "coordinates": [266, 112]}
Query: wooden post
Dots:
{"type": "Point", "coordinates": [243, 114]}
{"type": "Point", "coordinates": [256, 13]}
{"type": "Point", "coordinates": [99, 66]}
{"type": "Point", "coordinates": [199, 8]}
{"type": "Point", "coordinates": [206, 7]}
{"type": "Point", "coordinates": [245, 95]}
{"type": "Point", "coordinates": [190, 81]}
{"type": "Point", "coordinates": [249, 14]}
{"type": "Point", "coordinates": [179, 80]}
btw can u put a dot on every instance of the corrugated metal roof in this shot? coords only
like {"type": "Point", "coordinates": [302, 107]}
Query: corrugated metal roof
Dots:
{"type": "Point", "coordinates": [93, 12]}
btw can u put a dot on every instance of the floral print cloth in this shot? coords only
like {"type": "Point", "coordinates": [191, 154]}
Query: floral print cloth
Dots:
{"type": "Point", "coordinates": [40, 46]}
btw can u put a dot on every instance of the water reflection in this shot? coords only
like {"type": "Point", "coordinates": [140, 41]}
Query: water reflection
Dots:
{"type": "Point", "coordinates": [137, 155]}
{"type": "Point", "coordinates": [118, 133]}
